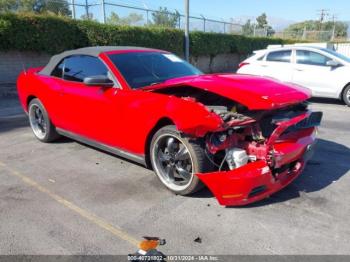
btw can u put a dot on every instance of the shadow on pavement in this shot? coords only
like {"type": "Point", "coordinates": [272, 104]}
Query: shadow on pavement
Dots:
{"type": "Point", "coordinates": [326, 101]}
{"type": "Point", "coordinates": [10, 123]}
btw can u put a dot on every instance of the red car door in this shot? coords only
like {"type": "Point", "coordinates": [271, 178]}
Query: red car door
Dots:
{"type": "Point", "coordinates": [89, 111]}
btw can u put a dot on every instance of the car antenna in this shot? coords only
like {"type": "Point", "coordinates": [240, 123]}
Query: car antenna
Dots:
{"type": "Point", "coordinates": [23, 66]}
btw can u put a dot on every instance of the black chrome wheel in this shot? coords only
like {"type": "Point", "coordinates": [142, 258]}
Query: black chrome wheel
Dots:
{"type": "Point", "coordinates": [173, 162]}
{"type": "Point", "coordinates": [176, 160]}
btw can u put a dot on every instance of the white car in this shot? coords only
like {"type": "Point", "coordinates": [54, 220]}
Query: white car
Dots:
{"type": "Point", "coordinates": [325, 72]}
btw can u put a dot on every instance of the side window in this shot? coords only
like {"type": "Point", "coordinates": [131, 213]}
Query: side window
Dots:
{"type": "Point", "coordinates": [58, 71]}
{"type": "Point", "coordinates": [311, 58]}
{"type": "Point", "coordinates": [279, 56]}
{"type": "Point", "coordinates": [76, 68]}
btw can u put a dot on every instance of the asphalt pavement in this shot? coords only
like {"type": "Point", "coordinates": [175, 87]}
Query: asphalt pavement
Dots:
{"type": "Point", "coordinates": [68, 198]}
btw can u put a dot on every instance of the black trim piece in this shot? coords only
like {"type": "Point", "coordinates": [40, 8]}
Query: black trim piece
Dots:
{"type": "Point", "coordinates": [113, 150]}
{"type": "Point", "coordinates": [313, 120]}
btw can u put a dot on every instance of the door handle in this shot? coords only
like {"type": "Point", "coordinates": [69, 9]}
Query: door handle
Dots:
{"type": "Point", "coordinates": [264, 65]}
{"type": "Point", "coordinates": [298, 69]}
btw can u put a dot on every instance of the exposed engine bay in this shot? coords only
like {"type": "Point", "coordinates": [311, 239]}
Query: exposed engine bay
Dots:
{"type": "Point", "coordinates": [248, 136]}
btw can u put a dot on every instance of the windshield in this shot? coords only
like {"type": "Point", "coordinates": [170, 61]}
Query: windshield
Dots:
{"type": "Point", "coordinates": [340, 56]}
{"type": "Point", "coordinates": [147, 68]}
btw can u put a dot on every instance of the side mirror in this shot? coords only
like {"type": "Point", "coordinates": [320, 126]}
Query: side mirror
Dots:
{"type": "Point", "coordinates": [332, 63]}
{"type": "Point", "coordinates": [99, 80]}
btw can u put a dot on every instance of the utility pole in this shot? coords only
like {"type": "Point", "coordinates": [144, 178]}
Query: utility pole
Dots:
{"type": "Point", "coordinates": [103, 11]}
{"type": "Point", "coordinates": [322, 13]}
{"type": "Point", "coordinates": [187, 29]}
{"type": "Point", "coordinates": [179, 18]}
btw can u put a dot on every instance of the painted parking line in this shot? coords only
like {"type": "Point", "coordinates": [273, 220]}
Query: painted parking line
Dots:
{"type": "Point", "coordinates": [67, 204]}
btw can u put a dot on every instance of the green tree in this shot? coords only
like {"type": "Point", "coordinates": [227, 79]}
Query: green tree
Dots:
{"type": "Point", "coordinates": [262, 23]}
{"type": "Point", "coordinates": [131, 19]}
{"type": "Point", "coordinates": [248, 28]}
{"type": "Point", "coordinates": [165, 18]}
{"type": "Point", "coordinates": [8, 5]}
{"type": "Point", "coordinates": [58, 7]}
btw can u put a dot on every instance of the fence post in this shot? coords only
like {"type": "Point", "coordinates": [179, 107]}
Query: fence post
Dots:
{"type": "Point", "coordinates": [87, 9]}
{"type": "Point", "coordinates": [73, 9]}
{"type": "Point", "coordinates": [304, 34]}
{"type": "Point", "coordinates": [333, 32]}
{"type": "Point", "coordinates": [187, 28]}
{"type": "Point", "coordinates": [103, 6]}
{"type": "Point", "coordinates": [204, 20]}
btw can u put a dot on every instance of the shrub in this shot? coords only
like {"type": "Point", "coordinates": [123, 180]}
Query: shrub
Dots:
{"type": "Point", "coordinates": [53, 34]}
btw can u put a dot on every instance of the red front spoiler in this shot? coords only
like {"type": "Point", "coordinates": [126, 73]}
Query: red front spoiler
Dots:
{"type": "Point", "coordinates": [258, 180]}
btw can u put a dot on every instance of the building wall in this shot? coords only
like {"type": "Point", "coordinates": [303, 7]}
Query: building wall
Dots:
{"type": "Point", "coordinates": [13, 62]}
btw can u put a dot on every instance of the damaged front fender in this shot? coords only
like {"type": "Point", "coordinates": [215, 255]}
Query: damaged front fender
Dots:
{"type": "Point", "coordinates": [192, 118]}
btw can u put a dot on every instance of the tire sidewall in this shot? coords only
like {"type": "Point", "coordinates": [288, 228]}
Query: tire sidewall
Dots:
{"type": "Point", "coordinates": [36, 102]}
{"type": "Point", "coordinates": [345, 97]}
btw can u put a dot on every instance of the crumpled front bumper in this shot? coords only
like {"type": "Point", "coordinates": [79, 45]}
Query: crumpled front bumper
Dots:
{"type": "Point", "coordinates": [258, 180]}
{"type": "Point", "coordinates": [249, 183]}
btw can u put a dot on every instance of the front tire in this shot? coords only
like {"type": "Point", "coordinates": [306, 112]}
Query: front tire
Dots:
{"type": "Point", "coordinates": [346, 95]}
{"type": "Point", "coordinates": [176, 159]}
{"type": "Point", "coordinates": [40, 122]}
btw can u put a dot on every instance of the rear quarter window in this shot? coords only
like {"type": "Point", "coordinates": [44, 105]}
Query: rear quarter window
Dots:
{"type": "Point", "coordinates": [58, 71]}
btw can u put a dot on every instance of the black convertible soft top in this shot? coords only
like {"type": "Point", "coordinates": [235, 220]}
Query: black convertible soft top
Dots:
{"type": "Point", "coordinates": [91, 51]}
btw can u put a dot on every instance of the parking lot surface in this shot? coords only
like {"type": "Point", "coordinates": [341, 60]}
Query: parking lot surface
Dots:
{"type": "Point", "coordinates": [68, 198]}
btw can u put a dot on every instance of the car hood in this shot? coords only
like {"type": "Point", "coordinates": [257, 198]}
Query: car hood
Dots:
{"type": "Point", "coordinates": [256, 93]}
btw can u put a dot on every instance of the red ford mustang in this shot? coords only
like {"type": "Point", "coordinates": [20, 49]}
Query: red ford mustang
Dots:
{"type": "Point", "coordinates": [243, 137]}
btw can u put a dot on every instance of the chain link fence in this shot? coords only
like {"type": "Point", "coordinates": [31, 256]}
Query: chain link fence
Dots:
{"type": "Point", "coordinates": [136, 13]}
{"type": "Point", "coordinates": [124, 13]}
{"type": "Point", "coordinates": [308, 35]}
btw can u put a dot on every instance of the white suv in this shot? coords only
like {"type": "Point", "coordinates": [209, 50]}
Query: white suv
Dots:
{"type": "Point", "coordinates": [325, 72]}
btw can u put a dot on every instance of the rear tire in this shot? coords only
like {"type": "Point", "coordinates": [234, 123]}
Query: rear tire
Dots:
{"type": "Point", "coordinates": [176, 159]}
{"type": "Point", "coordinates": [346, 95]}
{"type": "Point", "coordinates": [40, 122]}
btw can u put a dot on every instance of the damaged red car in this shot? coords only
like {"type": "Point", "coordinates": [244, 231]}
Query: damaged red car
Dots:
{"type": "Point", "coordinates": [244, 137]}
